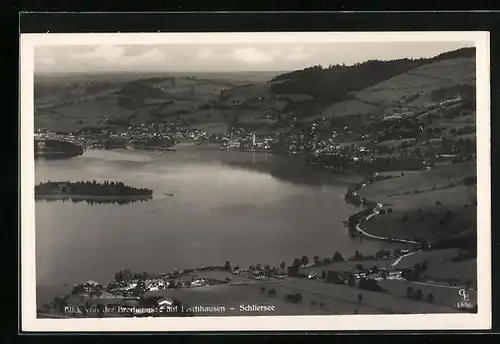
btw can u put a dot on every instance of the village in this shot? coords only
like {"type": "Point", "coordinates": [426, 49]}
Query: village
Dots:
{"type": "Point", "coordinates": [141, 294]}
{"type": "Point", "coordinates": [403, 139]}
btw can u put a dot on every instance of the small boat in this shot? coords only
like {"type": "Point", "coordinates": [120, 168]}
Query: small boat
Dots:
{"type": "Point", "coordinates": [169, 194]}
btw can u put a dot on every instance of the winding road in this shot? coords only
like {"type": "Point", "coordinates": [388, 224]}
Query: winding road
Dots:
{"type": "Point", "coordinates": [376, 211]}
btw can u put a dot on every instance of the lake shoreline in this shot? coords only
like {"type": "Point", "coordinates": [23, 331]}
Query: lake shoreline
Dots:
{"type": "Point", "coordinates": [345, 180]}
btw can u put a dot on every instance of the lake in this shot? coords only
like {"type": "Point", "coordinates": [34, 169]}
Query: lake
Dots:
{"type": "Point", "coordinates": [244, 207]}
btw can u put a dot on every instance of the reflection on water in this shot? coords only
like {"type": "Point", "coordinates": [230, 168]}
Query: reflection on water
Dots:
{"type": "Point", "coordinates": [96, 201]}
{"type": "Point", "coordinates": [242, 207]}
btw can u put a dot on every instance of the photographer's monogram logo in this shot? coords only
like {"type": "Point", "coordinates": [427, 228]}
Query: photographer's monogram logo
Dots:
{"type": "Point", "coordinates": [465, 302]}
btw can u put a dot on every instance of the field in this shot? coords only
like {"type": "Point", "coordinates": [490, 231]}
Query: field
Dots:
{"type": "Point", "coordinates": [78, 115]}
{"type": "Point", "coordinates": [46, 294]}
{"type": "Point", "coordinates": [344, 299]}
{"type": "Point", "coordinates": [442, 268]}
{"type": "Point", "coordinates": [213, 128]}
{"type": "Point", "coordinates": [424, 204]}
{"type": "Point", "coordinates": [395, 143]}
{"type": "Point", "coordinates": [222, 275]}
{"type": "Point", "coordinates": [246, 92]}
{"type": "Point", "coordinates": [230, 295]}
{"type": "Point", "coordinates": [348, 265]}
{"type": "Point", "coordinates": [441, 176]}
{"type": "Point", "coordinates": [351, 107]}
{"type": "Point", "coordinates": [420, 81]}
{"type": "Point", "coordinates": [454, 272]}
{"type": "Point", "coordinates": [317, 298]}
{"type": "Point", "coordinates": [416, 216]}
{"type": "Point", "coordinates": [443, 296]}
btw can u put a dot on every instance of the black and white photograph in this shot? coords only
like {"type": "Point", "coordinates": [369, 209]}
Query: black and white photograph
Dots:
{"type": "Point", "coordinates": [330, 181]}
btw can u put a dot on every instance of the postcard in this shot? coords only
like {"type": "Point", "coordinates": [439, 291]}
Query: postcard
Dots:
{"type": "Point", "coordinates": [255, 181]}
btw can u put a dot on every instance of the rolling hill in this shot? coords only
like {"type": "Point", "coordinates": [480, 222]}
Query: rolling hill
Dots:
{"type": "Point", "coordinates": [259, 101]}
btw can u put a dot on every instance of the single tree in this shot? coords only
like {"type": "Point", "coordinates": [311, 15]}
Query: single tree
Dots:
{"type": "Point", "coordinates": [405, 217]}
{"type": "Point", "coordinates": [271, 292]}
{"type": "Point", "coordinates": [282, 265]}
{"type": "Point", "coordinates": [360, 297]}
{"type": "Point", "coordinates": [316, 260]}
{"type": "Point", "coordinates": [304, 260]}
{"type": "Point", "coordinates": [418, 295]}
{"type": "Point", "coordinates": [227, 266]}
{"type": "Point", "coordinates": [337, 257]}
{"type": "Point", "coordinates": [430, 298]}
{"type": "Point", "coordinates": [296, 262]}
{"type": "Point", "coordinates": [323, 274]}
{"type": "Point", "coordinates": [127, 275]}
{"type": "Point", "coordinates": [409, 292]}
{"type": "Point", "coordinates": [424, 265]}
{"type": "Point", "coordinates": [118, 276]}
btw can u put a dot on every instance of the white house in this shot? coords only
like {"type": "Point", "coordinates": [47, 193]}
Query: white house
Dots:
{"type": "Point", "coordinates": [151, 285]}
{"type": "Point", "coordinates": [91, 282]}
{"type": "Point", "coordinates": [165, 303]}
{"type": "Point", "coordinates": [197, 283]}
{"type": "Point", "coordinates": [391, 117]}
{"type": "Point", "coordinates": [131, 285]}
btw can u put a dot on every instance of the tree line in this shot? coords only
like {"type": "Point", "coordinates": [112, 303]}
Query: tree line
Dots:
{"type": "Point", "coordinates": [94, 188]}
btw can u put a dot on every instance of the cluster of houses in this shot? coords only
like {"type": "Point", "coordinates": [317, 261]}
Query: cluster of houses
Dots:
{"type": "Point", "coordinates": [132, 287]}
{"type": "Point", "coordinates": [353, 276]}
{"type": "Point", "coordinates": [261, 273]}
{"type": "Point", "coordinates": [119, 138]}
{"type": "Point", "coordinates": [247, 141]}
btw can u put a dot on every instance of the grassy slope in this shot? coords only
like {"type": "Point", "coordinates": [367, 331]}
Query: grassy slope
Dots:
{"type": "Point", "coordinates": [422, 80]}
{"type": "Point", "coordinates": [424, 215]}
{"type": "Point", "coordinates": [394, 92]}
{"type": "Point", "coordinates": [424, 220]}
{"type": "Point", "coordinates": [421, 180]}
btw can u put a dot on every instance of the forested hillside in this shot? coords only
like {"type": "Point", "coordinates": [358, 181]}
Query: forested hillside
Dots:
{"type": "Point", "coordinates": [333, 83]}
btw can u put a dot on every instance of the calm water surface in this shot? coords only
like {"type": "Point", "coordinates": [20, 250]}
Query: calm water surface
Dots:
{"type": "Point", "coordinates": [247, 208]}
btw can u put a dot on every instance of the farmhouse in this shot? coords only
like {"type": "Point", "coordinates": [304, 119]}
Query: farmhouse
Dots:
{"type": "Point", "coordinates": [165, 303]}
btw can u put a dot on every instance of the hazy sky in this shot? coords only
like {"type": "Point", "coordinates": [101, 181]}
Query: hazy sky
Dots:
{"type": "Point", "coordinates": [225, 57]}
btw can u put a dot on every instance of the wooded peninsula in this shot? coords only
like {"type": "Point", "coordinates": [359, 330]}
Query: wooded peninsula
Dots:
{"type": "Point", "coordinates": [90, 190]}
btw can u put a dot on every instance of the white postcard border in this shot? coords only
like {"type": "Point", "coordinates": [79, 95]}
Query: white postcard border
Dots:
{"type": "Point", "coordinates": [481, 320]}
